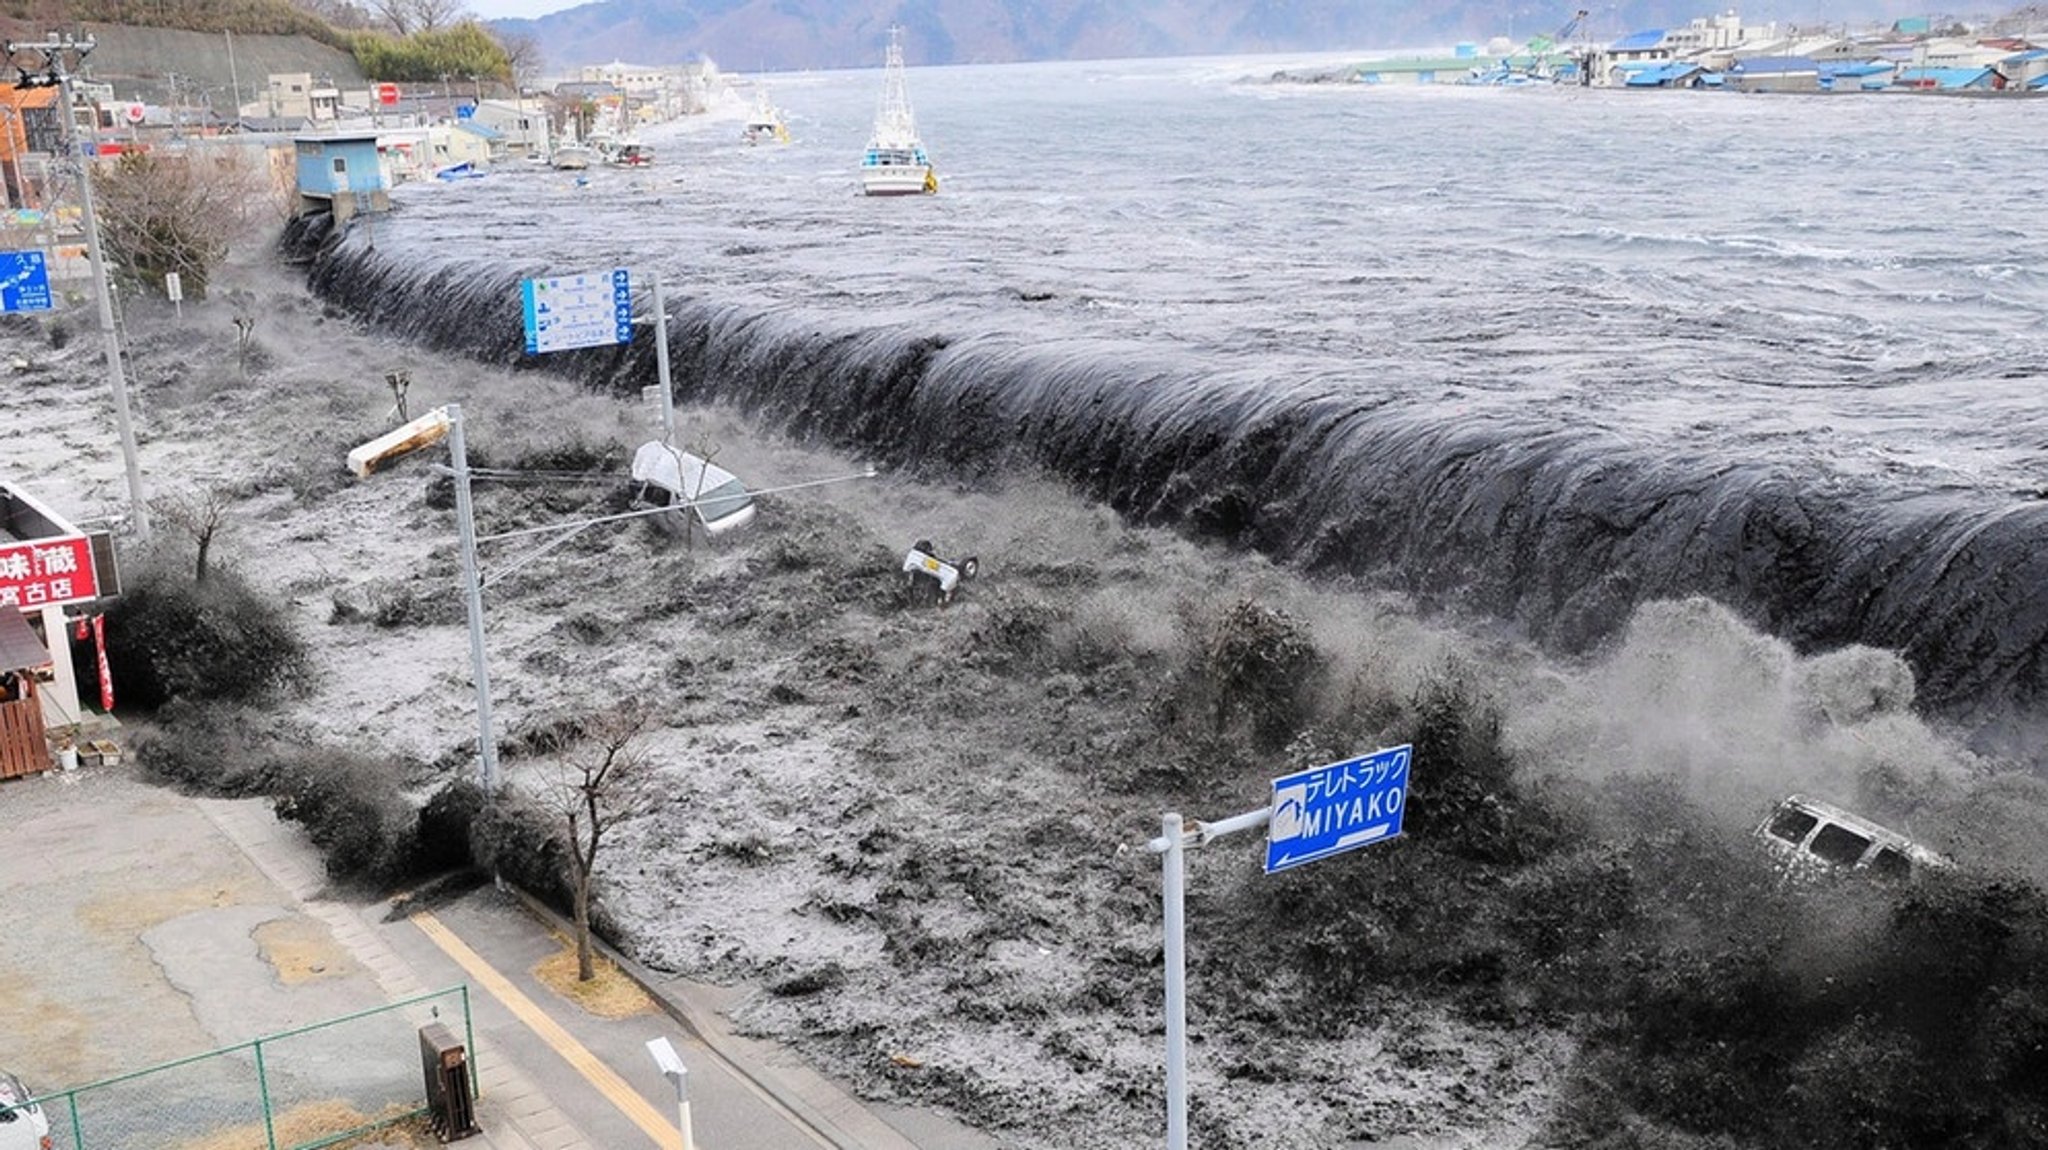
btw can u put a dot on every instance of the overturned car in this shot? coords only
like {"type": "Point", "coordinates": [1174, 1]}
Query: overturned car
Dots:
{"type": "Point", "coordinates": [1811, 839]}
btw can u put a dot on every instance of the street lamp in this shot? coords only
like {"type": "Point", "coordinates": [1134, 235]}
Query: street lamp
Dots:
{"type": "Point", "coordinates": [672, 1068]}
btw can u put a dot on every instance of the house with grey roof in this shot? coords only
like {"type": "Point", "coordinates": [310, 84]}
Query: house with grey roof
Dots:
{"type": "Point", "coordinates": [1774, 74]}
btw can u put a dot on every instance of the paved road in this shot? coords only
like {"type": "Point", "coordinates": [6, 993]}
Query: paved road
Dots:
{"type": "Point", "coordinates": [150, 926]}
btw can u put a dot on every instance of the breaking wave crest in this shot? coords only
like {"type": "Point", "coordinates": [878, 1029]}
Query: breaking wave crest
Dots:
{"type": "Point", "coordinates": [1478, 502]}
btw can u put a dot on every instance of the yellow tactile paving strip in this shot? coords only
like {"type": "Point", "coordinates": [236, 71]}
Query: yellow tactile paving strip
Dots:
{"type": "Point", "coordinates": [607, 1081]}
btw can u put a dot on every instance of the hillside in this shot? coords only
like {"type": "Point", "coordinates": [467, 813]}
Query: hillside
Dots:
{"type": "Point", "coordinates": [141, 62]}
{"type": "Point", "coordinates": [22, 19]}
{"type": "Point", "coordinates": [789, 35]}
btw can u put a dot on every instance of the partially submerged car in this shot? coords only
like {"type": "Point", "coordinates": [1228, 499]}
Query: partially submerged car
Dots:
{"type": "Point", "coordinates": [936, 578]}
{"type": "Point", "coordinates": [1812, 838]}
{"type": "Point", "coordinates": [23, 1126]}
{"type": "Point", "coordinates": [668, 477]}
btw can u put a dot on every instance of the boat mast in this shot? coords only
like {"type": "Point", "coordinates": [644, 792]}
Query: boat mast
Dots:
{"type": "Point", "coordinates": [892, 114]}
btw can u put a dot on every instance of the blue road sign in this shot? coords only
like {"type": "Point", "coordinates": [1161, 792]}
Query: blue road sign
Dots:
{"type": "Point", "coordinates": [24, 282]}
{"type": "Point", "coordinates": [586, 310]}
{"type": "Point", "coordinates": [1328, 810]}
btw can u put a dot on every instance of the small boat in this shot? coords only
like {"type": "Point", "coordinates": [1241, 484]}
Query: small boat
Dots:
{"type": "Point", "coordinates": [895, 163]}
{"type": "Point", "coordinates": [572, 157]}
{"type": "Point", "coordinates": [765, 125]}
{"type": "Point", "coordinates": [629, 154]}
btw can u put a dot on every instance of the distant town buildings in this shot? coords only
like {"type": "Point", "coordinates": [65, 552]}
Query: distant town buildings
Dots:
{"type": "Point", "coordinates": [1721, 52]}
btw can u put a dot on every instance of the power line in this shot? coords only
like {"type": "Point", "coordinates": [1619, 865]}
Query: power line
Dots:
{"type": "Point", "coordinates": [59, 54]}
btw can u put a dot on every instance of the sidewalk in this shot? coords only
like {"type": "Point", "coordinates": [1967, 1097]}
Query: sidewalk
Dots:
{"type": "Point", "coordinates": [511, 1109]}
{"type": "Point", "coordinates": [554, 1077]}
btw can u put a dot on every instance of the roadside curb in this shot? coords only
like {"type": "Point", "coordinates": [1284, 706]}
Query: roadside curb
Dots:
{"type": "Point", "coordinates": [702, 1023]}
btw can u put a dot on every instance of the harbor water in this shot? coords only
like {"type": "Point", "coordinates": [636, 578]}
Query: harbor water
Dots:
{"type": "Point", "coordinates": [1542, 354]}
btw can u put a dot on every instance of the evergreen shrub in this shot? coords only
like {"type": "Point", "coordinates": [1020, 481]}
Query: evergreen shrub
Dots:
{"type": "Point", "coordinates": [169, 637]}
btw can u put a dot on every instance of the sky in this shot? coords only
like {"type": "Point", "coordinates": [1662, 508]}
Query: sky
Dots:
{"type": "Point", "coordinates": [516, 9]}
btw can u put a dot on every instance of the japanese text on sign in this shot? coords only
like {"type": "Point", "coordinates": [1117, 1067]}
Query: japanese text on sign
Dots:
{"type": "Point", "coordinates": [24, 281]}
{"type": "Point", "coordinates": [47, 572]}
{"type": "Point", "coordinates": [1332, 809]}
{"type": "Point", "coordinates": [589, 309]}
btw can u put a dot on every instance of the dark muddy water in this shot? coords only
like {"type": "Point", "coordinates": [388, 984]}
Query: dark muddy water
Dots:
{"type": "Point", "coordinates": [1544, 354]}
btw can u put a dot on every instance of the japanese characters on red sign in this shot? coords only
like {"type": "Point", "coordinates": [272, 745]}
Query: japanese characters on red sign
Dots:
{"type": "Point", "coordinates": [47, 572]}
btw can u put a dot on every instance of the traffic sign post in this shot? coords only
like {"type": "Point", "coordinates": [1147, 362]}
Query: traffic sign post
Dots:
{"type": "Point", "coordinates": [1313, 814]}
{"type": "Point", "coordinates": [590, 309]}
{"type": "Point", "coordinates": [24, 282]}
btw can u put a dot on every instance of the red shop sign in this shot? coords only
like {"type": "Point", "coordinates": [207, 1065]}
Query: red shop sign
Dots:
{"type": "Point", "coordinates": [47, 572]}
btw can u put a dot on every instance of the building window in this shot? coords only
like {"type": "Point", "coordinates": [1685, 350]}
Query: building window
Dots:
{"type": "Point", "coordinates": [341, 165]}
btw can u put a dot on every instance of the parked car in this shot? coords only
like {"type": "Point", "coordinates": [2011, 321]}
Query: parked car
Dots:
{"type": "Point", "coordinates": [23, 1125]}
{"type": "Point", "coordinates": [1814, 838]}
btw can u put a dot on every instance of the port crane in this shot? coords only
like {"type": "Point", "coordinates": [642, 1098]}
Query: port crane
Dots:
{"type": "Point", "coordinates": [1542, 49]}
{"type": "Point", "coordinates": [1538, 58]}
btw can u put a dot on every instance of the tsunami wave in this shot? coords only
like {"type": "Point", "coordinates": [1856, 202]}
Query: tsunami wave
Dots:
{"type": "Point", "coordinates": [1460, 497]}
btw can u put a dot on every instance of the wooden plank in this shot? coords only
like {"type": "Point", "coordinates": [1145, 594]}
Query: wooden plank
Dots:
{"type": "Point", "coordinates": [23, 746]}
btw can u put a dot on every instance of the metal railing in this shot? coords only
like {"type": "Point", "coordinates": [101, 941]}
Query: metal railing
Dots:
{"type": "Point", "coordinates": [298, 1089]}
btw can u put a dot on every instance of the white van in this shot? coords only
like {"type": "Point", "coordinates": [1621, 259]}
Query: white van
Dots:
{"type": "Point", "coordinates": [22, 1123]}
{"type": "Point", "coordinates": [1812, 838]}
{"type": "Point", "coordinates": [665, 476]}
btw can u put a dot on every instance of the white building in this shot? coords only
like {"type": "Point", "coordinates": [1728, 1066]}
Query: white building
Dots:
{"type": "Point", "coordinates": [634, 78]}
{"type": "Point", "coordinates": [523, 123]}
{"type": "Point", "coordinates": [1723, 33]}
{"type": "Point", "coordinates": [296, 95]}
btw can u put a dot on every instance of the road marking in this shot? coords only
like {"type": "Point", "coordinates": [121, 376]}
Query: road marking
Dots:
{"type": "Point", "coordinates": [607, 1080]}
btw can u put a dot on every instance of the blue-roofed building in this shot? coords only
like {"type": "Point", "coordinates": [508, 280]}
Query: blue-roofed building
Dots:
{"type": "Point", "coordinates": [341, 174]}
{"type": "Point", "coordinates": [1857, 76]}
{"type": "Point", "coordinates": [1774, 74]}
{"type": "Point", "coordinates": [1612, 66]}
{"type": "Point", "coordinates": [2021, 69]}
{"type": "Point", "coordinates": [467, 136]}
{"type": "Point", "coordinates": [1638, 42]}
{"type": "Point", "coordinates": [1946, 79]}
{"type": "Point", "coordinates": [1681, 74]}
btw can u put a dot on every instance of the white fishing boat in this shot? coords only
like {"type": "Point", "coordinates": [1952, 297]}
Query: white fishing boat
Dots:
{"type": "Point", "coordinates": [764, 124]}
{"type": "Point", "coordinates": [572, 157]}
{"type": "Point", "coordinates": [895, 163]}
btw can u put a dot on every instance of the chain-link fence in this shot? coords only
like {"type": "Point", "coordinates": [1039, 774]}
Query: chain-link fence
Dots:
{"type": "Point", "coordinates": [297, 1090]}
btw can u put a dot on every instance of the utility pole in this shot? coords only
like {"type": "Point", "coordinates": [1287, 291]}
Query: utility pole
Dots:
{"type": "Point", "coordinates": [234, 80]}
{"type": "Point", "coordinates": [473, 598]}
{"type": "Point", "coordinates": [60, 54]}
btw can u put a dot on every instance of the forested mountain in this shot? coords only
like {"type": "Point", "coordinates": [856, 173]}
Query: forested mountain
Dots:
{"type": "Point", "coordinates": [751, 35]}
{"type": "Point", "coordinates": [784, 35]}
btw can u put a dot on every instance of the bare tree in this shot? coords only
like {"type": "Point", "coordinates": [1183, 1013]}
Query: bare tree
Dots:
{"type": "Point", "coordinates": [200, 514]}
{"type": "Point", "coordinates": [342, 14]}
{"type": "Point", "coordinates": [408, 16]}
{"type": "Point", "coordinates": [161, 212]}
{"type": "Point", "coordinates": [706, 449]}
{"type": "Point", "coordinates": [599, 782]}
{"type": "Point", "coordinates": [523, 56]}
{"type": "Point", "coordinates": [245, 341]}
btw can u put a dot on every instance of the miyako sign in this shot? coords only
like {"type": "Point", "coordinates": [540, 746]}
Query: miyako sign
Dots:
{"type": "Point", "coordinates": [48, 572]}
{"type": "Point", "coordinates": [1343, 806]}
